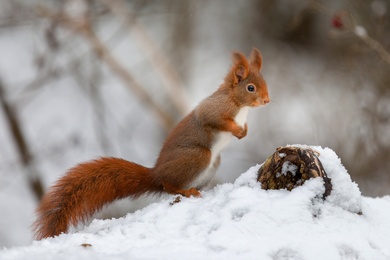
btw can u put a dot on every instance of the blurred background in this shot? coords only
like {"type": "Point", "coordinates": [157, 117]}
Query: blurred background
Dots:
{"type": "Point", "coordinates": [81, 79]}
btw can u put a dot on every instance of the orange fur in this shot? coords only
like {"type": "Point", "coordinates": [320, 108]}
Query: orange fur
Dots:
{"type": "Point", "coordinates": [86, 188]}
{"type": "Point", "coordinates": [186, 162]}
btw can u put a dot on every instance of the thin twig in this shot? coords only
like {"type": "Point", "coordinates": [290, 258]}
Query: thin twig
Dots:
{"type": "Point", "coordinates": [83, 28]}
{"type": "Point", "coordinates": [361, 33]}
{"type": "Point", "coordinates": [168, 74]}
{"type": "Point", "coordinates": [25, 157]}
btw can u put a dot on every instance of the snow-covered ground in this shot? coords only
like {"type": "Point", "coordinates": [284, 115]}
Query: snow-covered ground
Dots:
{"type": "Point", "coordinates": [62, 126]}
{"type": "Point", "coordinates": [238, 221]}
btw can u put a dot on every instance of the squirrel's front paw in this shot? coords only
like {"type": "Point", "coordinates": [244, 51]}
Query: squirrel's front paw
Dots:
{"type": "Point", "coordinates": [241, 133]}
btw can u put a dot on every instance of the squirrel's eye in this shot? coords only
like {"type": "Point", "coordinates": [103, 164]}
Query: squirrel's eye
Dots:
{"type": "Point", "coordinates": [251, 88]}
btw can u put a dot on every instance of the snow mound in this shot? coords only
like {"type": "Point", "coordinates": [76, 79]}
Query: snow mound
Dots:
{"type": "Point", "coordinates": [238, 221]}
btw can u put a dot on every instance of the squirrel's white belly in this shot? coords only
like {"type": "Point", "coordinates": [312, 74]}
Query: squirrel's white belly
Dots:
{"type": "Point", "coordinates": [242, 116]}
{"type": "Point", "coordinates": [221, 141]}
{"type": "Point", "coordinates": [224, 138]}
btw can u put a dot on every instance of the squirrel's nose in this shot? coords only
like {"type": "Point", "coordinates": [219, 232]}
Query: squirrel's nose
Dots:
{"type": "Point", "coordinates": [262, 101]}
{"type": "Point", "coordinates": [266, 100]}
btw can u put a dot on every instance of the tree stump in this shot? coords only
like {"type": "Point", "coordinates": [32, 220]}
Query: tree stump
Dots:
{"type": "Point", "coordinates": [290, 167]}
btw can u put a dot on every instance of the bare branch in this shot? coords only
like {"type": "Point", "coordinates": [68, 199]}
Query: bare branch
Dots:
{"type": "Point", "coordinates": [361, 33]}
{"type": "Point", "coordinates": [170, 79]}
{"type": "Point", "coordinates": [21, 144]}
{"type": "Point", "coordinates": [83, 27]}
{"type": "Point", "coordinates": [357, 30]}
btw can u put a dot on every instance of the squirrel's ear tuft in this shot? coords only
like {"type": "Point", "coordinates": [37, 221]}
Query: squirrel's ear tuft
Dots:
{"type": "Point", "coordinates": [255, 59]}
{"type": "Point", "coordinates": [240, 67]}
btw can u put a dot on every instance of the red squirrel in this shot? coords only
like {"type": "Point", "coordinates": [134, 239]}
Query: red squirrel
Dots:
{"type": "Point", "coordinates": [187, 161]}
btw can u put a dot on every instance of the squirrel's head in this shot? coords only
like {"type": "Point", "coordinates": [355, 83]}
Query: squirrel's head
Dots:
{"type": "Point", "coordinates": [246, 84]}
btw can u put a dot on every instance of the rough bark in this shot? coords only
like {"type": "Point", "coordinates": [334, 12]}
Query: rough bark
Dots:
{"type": "Point", "coordinates": [289, 167]}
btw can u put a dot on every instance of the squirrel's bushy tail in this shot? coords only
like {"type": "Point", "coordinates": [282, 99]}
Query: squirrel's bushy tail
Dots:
{"type": "Point", "coordinates": [85, 189]}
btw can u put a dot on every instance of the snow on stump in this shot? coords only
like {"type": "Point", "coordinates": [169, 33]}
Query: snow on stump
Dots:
{"type": "Point", "coordinates": [290, 167]}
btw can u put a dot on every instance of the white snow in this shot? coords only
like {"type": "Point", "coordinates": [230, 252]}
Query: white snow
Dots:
{"type": "Point", "coordinates": [360, 31]}
{"type": "Point", "coordinates": [289, 167]}
{"type": "Point", "coordinates": [238, 221]}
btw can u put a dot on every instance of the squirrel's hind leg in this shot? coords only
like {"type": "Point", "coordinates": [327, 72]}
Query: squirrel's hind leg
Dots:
{"type": "Point", "coordinates": [186, 193]}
